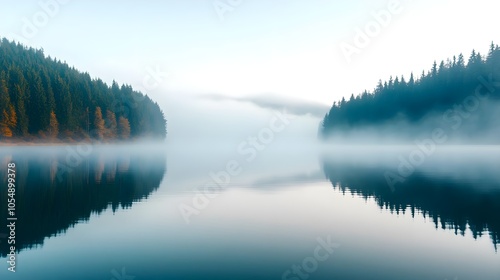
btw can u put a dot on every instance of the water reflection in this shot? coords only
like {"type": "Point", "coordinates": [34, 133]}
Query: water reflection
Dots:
{"type": "Point", "coordinates": [55, 190]}
{"type": "Point", "coordinates": [456, 194]}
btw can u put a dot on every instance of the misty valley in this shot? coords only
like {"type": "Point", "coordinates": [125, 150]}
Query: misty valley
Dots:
{"type": "Point", "coordinates": [401, 182]}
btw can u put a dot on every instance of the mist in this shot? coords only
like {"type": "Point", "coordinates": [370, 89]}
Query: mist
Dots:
{"type": "Point", "coordinates": [275, 102]}
{"type": "Point", "coordinates": [206, 131]}
{"type": "Point", "coordinates": [458, 125]}
{"type": "Point", "coordinates": [202, 141]}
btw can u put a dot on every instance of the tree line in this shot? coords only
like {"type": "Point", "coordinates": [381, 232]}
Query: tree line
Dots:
{"type": "Point", "coordinates": [44, 98]}
{"type": "Point", "coordinates": [444, 85]}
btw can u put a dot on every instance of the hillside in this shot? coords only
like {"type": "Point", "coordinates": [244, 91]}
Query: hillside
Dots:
{"type": "Point", "coordinates": [455, 94]}
{"type": "Point", "coordinates": [44, 99]}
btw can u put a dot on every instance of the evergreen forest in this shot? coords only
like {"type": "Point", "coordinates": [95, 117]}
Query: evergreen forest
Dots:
{"type": "Point", "coordinates": [44, 99]}
{"type": "Point", "coordinates": [449, 88]}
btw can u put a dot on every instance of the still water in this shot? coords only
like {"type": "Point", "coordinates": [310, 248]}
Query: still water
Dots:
{"type": "Point", "coordinates": [150, 212]}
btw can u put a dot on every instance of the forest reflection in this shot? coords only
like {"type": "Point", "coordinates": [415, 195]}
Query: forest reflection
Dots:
{"type": "Point", "coordinates": [455, 198]}
{"type": "Point", "coordinates": [55, 191]}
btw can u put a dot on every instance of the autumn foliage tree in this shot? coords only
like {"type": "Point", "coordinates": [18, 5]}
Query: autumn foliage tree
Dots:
{"type": "Point", "coordinates": [8, 122]}
{"type": "Point", "coordinates": [99, 124]}
{"type": "Point", "coordinates": [111, 125]}
{"type": "Point", "coordinates": [53, 126]}
{"type": "Point", "coordinates": [12, 117]}
{"type": "Point", "coordinates": [124, 128]}
{"type": "Point", "coordinates": [5, 130]}
{"type": "Point", "coordinates": [8, 118]}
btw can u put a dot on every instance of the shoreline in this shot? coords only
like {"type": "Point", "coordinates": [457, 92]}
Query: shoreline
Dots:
{"type": "Point", "coordinates": [73, 143]}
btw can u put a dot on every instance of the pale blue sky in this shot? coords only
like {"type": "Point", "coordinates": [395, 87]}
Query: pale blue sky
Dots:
{"type": "Point", "coordinates": [289, 48]}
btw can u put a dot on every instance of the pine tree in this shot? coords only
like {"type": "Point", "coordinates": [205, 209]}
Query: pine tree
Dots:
{"type": "Point", "coordinates": [19, 96]}
{"type": "Point", "coordinates": [472, 58]}
{"type": "Point", "coordinates": [342, 102]}
{"type": "Point", "coordinates": [411, 82]}
{"type": "Point", "coordinates": [38, 110]}
{"type": "Point", "coordinates": [491, 51]}
{"type": "Point", "coordinates": [434, 69]}
{"type": "Point", "coordinates": [461, 61]}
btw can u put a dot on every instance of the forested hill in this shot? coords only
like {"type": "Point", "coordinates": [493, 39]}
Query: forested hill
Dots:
{"type": "Point", "coordinates": [43, 98]}
{"type": "Point", "coordinates": [454, 91]}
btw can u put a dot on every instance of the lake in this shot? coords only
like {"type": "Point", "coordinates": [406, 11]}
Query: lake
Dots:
{"type": "Point", "coordinates": [156, 211]}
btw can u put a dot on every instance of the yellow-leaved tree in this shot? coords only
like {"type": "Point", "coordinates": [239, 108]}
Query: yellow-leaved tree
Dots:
{"type": "Point", "coordinates": [53, 126]}
{"type": "Point", "coordinates": [99, 124]}
{"type": "Point", "coordinates": [111, 126]}
{"type": "Point", "coordinates": [124, 128]}
{"type": "Point", "coordinates": [5, 130]}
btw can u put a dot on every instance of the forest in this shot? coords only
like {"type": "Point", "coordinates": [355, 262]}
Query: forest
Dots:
{"type": "Point", "coordinates": [44, 99]}
{"type": "Point", "coordinates": [445, 85]}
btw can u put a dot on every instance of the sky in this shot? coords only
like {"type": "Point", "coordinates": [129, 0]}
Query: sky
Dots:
{"type": "Point", "coordinates": [292, 49]}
